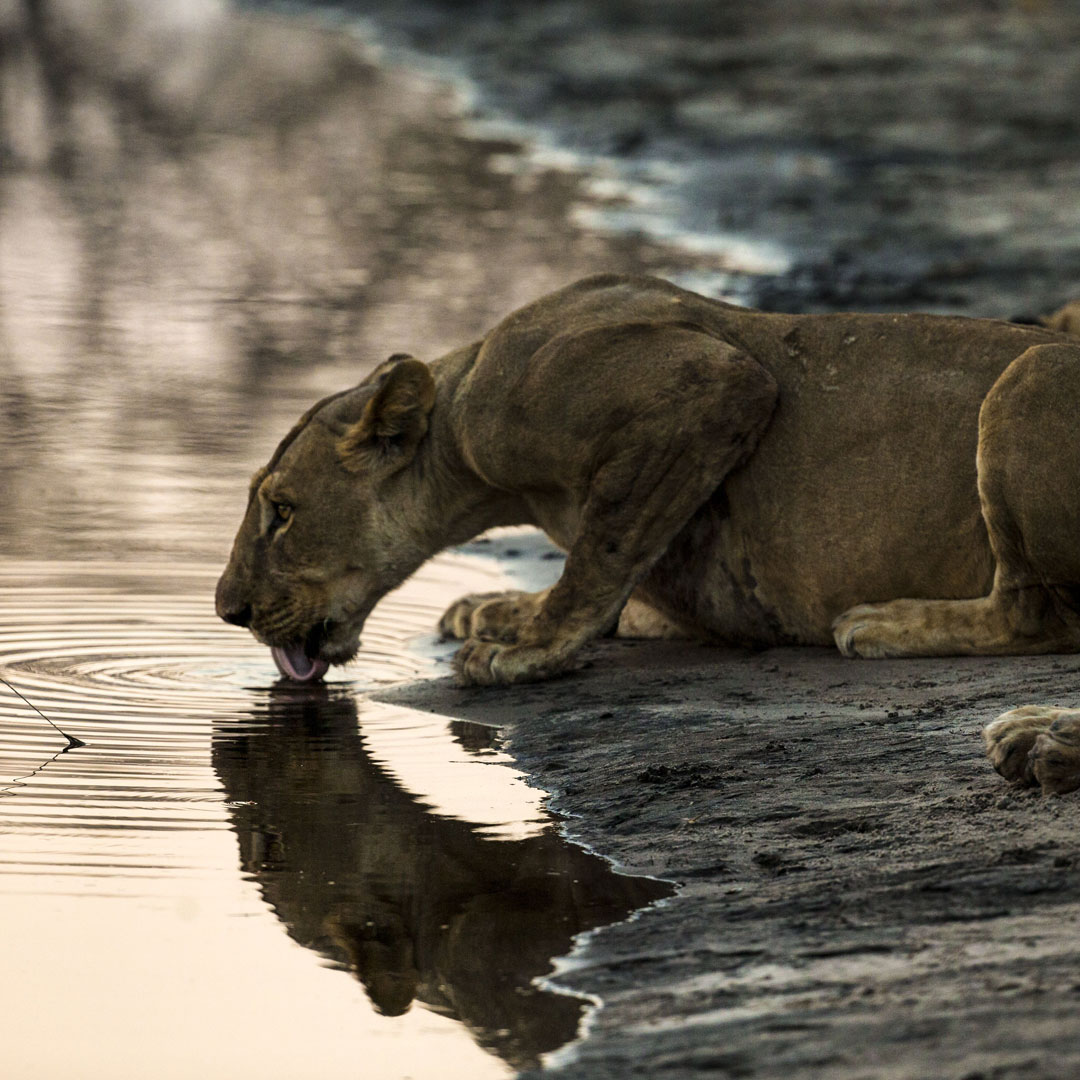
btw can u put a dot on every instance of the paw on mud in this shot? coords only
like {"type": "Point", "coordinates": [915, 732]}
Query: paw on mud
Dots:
{"type": "Point", "coordinates": [1037, 745]}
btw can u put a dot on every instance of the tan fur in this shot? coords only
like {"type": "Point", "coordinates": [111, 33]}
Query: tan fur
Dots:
{"type": "Point", "coordinates": [1066, 319]}
{"type": "Point", "coordinates": [901, 484]}
{"type": "Point", "coordinates": [1037, 744]}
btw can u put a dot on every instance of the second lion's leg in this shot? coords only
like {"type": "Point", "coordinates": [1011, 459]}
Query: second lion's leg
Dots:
{"type": "Point", "coordinates": [1028, 462]}
{"type": "Point", "coordinates": [1037, 744]}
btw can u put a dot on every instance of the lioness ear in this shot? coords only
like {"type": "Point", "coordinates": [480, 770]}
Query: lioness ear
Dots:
{"type": "Point", "coordinates": [395, 419]}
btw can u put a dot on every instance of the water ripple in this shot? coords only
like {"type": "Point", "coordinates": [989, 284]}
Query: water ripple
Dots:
{"type": "Point", "coordinates": [392, 845]}
{"type": "Point", "coordinates": [131, 659]}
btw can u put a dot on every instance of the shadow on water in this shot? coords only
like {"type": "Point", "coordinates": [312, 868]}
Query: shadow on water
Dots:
{"type": "Point", "coordinates": [417, 906]}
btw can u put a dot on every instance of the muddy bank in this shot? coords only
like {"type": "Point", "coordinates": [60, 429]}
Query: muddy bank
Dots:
{"type": "Point", "coordinates": [908, 155]}
{"type": "Point", "coordinates": [861, 895]}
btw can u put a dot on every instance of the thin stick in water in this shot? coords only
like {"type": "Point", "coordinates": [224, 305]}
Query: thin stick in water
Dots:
{"type": "Point", "coordinates": [73, 743]}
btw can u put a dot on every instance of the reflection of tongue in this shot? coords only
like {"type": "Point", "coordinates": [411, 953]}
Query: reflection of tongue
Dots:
{"type": "Point", "coordinates": [294, 663]}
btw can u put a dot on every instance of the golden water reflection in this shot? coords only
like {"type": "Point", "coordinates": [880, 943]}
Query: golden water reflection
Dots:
{"type": "Point", "coordinates": [146, 877]}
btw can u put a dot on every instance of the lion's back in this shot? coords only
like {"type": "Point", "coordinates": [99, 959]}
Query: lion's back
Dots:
{"type": "Point", "coordinates": [864, 487]}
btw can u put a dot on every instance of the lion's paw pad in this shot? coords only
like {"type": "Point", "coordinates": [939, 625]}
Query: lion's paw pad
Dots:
{"type": "Point", "coordinates": [1037, 744]}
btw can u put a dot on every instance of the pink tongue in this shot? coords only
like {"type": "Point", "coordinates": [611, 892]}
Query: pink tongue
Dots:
{"type": "Point", "coordinates": [295, 664]}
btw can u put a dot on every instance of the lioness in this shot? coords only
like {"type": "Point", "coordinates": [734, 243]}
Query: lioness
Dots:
{"type": "Point", "coordinates": [901, 484]}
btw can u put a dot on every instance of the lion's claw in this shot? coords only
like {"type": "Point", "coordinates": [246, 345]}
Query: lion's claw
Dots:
{"type": "Point", "coordinates": [472, 664]}
{"type": "Point", "coordinates": [494, 663]}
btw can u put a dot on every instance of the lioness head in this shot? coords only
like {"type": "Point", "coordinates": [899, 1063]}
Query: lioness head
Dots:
{"type": "Point", "coordinates": [333, 521]}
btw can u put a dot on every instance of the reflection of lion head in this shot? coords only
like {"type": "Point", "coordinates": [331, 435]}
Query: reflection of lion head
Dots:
{"type": "Point", "coordinates": [334, 521]}
{"type": "Point", "coordinates": [417, 906]}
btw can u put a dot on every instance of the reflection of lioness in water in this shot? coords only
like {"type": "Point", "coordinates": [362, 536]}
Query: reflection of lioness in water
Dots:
{"type": "Point", "coordinates": [901, 484]}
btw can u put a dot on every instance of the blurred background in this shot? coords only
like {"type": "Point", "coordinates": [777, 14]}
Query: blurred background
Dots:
{"type": "Point", "coordinates": [210, 213]}
{"type": "Point", "coordinates": [209, 218]}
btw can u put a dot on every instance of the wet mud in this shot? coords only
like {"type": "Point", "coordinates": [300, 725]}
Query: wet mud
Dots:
{"type": "Point", "coordinates": [860, 895]}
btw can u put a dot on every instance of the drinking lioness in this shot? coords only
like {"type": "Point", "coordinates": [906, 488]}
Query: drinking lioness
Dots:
{"type": "Point", "coordinates": [902, 485]}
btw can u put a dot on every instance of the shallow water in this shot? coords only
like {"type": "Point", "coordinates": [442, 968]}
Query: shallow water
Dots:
{"type": "Point", "coordinates": [157, 882]}
{"type": "Point", "coordinates": [229, 878]}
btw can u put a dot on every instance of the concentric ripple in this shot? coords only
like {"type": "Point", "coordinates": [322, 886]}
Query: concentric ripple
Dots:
{"type": "Point", "coordinates": [86, 635]}
{"type": "Point", "coordinates": [118, 859]}
{"type": "Point", "coordinates": [131, 660]}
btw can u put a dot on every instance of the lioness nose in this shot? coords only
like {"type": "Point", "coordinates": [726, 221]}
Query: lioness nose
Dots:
{"type": "Point", "coordinates": [239, 617]}
{"type": "Point", "coordinates": [230, 603]}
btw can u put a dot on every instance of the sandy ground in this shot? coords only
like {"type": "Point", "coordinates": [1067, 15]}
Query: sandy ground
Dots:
{"type": "Point", "coordinates": [860, 894]}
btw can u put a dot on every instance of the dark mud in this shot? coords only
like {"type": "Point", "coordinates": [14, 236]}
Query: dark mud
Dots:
{"type": "Point", "coordinates": [861, 895]}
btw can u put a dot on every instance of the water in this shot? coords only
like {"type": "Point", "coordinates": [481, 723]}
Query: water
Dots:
{"type": "Point", "coordinates": [231, 879]}
{"type": "Point", "coordinates": [147, 877]}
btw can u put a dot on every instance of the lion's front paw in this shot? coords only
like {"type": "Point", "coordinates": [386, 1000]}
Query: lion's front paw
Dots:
{"type": "Point", "coordinates": [492, 616]}
{"type": "Point", "coordinates": [865, 631]}
{"type": "Point", "coordinates": [492, 663]}
{"type": "Point", "coordinates": [1037, 744]}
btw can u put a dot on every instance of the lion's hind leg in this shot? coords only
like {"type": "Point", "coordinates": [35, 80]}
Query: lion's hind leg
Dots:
{"type": "Point", "coordinates": [1028, 464]}
{"type": "Point", "coordinates": [1037, 744]}
{"type": "Point", "coordinates": [1005, 623]}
